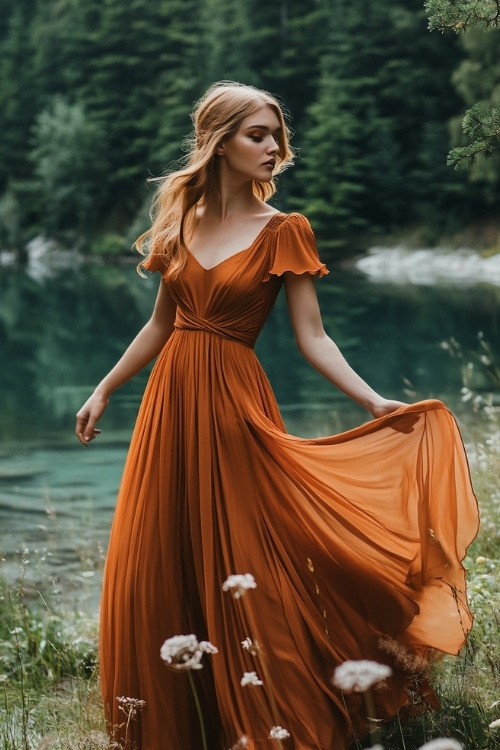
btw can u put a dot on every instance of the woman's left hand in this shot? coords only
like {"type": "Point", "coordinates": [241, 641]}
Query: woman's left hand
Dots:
{"type": "Point", "coordinates": [385, 406]}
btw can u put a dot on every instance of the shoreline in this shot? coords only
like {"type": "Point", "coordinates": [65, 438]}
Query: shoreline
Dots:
{"type": "Point", "coordinates": [401, 264]}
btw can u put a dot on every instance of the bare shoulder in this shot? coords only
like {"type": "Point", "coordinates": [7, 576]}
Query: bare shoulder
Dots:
{"type": "Point", "coordinates": [264, 209]}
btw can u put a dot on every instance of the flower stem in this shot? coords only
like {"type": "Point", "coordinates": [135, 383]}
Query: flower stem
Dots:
{"type": "Point", "coordinates": [356, 741]}
{"type": "Point", "coordinates": [370, 710]}
{"type": "Point", "coordinates": [401, 732]}
{"type": "Point", "coordinates": [198, 710]}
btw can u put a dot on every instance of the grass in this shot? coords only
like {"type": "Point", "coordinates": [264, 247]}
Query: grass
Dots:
{"type": "Point", "coordinates": [49, 691]}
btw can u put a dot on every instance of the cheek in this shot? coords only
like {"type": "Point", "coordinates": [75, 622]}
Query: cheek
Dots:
{"type": "Point", "coordinates": [242, 153]}
{"type": "Point", "coordinates": [245, 146]}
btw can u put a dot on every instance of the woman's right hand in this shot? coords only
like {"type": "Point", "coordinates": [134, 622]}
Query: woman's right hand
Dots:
{"type": "Point", "coordinates": [87, 417]}
{"type": "Point", "coordinates": [147, 344]}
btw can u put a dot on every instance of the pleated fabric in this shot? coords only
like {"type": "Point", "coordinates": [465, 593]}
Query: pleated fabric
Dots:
{"type": "Point", "coordinates": [355, 540]}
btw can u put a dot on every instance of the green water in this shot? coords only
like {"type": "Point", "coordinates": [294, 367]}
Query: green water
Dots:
{"type": "Point", "coordinates": [60, 332]}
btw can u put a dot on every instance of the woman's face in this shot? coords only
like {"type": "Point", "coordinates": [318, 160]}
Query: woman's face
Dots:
{"type": "Point", "coordinates": [252, 152]}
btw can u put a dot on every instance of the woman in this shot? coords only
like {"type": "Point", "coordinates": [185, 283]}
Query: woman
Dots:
{"type": "Point", "coordinates": [355, 541]}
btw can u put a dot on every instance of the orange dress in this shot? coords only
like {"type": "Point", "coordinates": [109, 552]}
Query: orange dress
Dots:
{"type": "Point", "coordinates": [355, 541]}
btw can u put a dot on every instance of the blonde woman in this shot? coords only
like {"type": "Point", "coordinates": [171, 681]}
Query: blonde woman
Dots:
{"type": "Point", "coordinates": [355, 541]}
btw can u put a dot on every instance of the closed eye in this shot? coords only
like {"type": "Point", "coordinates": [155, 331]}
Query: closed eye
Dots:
{"type": "Point", "coordinates": [258, 133]}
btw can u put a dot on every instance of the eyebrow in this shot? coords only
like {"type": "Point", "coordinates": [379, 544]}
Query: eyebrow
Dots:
{"type": "Point", "coordinates": [264, 127]}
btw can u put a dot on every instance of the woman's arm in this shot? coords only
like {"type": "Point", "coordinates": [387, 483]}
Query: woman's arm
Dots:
{"type": "Point", "coordinates": [146, 345]}
{"type": "Point", "coordinates": [321, 352]}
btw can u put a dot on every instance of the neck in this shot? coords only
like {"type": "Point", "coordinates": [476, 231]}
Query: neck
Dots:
{"type": "Point", "coordinates": [233, 199]}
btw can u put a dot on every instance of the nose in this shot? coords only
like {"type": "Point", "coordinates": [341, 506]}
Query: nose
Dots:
{"type": "Point", "coordinates": [273, 145]}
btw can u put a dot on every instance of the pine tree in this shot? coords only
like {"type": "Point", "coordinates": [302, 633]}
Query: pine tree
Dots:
{"type": "Point", "coordinates": [334, 164]}
{"type": "Point", "coordinates": [481, 123]}
{"type": "Point", "coordinates": [137, 82]}
{"type": "Point", "coordinates": [178, 85]}
{"type": "Point", "coordinates": [227, 31]}
{"type": "Point", "coordinates": [477, 79]}
{"type": "Point", "coordinates": [62, 44]}
{"type": "Point", "coordinates": [18, 95]}
{"type": "Point", "coordinates": [378, 96]}
{"type": "Point", "coordinates": [70, 165]}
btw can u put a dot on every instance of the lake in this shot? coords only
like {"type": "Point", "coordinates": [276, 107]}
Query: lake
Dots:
{"type": "Point", "coordinates": [63, 324]}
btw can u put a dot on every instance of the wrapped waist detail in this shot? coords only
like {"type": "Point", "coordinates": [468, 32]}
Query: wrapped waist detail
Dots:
{"type": "Point", "coordinates": [187, 320]}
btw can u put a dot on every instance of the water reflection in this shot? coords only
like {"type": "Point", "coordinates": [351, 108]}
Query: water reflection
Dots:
{"type": "Point", "coordinates": [60, 334]}
{"type": "Point", "coordinates": [57, 336]}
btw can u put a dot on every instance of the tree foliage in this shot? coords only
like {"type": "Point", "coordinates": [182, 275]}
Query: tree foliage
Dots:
{"type": "Point", "coordinates": [482, 125]}
{"type": "Point", "coordinates": [478, 77]}
{"type": "Point", "coordinates": [71, 184]}
{"type": "Point", "coordinates": [95, 97]}
{"type": "Point", "coordinates": [461, 15]}
{"type": "Point", "coordinates": [368, 144]}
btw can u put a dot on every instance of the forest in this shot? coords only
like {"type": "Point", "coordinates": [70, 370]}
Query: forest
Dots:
{"type": "Point", "coordinates": [95, 98]}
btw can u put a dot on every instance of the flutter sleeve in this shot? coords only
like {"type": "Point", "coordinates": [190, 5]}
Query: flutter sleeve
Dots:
{"type": "Point", "coordinates": [295, 249]}
{"type": "Point", "coordinates": [154, 262]}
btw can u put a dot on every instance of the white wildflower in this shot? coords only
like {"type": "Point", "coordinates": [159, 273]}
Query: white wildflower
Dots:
{"type": "Point", "coordinates": [239, 584]}
{"type": "Point", "coordinates": [359, 676]}
{"type": "Point", "coordinates": [182, 652]}
{"type": "Point", "coordinates": [249, 646]}
{"type": "Point", "coordinates": [207, 647]}
{"type": "Point", "coordinates": [443, 743]}
{"type": "Point", "coordinates": [242, 743]}
{"type": "Point", "coordinates": [278, 733]}
{"type": "Point", "coordinates": [126, 701]}
{"type": "Point", "coordinates": [250, 678]}
{"type": "Point", "coordinates": [130, 706]}
{"type": "Point", "coordinates": [495, 724]}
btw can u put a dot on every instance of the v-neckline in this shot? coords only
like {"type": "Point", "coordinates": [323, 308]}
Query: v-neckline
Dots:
{"type": "Point", "coordinates": [266, 226]}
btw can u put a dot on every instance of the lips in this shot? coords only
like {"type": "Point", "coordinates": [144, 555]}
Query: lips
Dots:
{"type": "Point", "coordinates": [271, 163]}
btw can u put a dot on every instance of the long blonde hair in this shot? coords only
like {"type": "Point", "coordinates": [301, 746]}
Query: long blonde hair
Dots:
{"type": "Point", "coordinates": [216, 117]}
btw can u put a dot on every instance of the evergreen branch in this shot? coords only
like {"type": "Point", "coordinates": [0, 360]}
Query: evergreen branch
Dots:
{"type": "Point", "coordinates": [460, 15]}
{"type": "Point", "coordinates": [482, 125]}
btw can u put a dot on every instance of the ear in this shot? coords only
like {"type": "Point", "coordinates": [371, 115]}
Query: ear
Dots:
{"type": "Point", "coordinates": [220, 149]}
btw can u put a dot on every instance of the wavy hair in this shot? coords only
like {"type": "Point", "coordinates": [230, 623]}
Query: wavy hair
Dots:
{"type": "Point", "coordinates": [216, 117]}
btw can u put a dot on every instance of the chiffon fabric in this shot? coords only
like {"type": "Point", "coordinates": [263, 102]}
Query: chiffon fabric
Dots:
{"type": "Point", "coordinates": [355, 541]}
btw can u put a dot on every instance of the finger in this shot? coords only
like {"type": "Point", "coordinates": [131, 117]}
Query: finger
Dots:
{"type": "Point", "coordinates": [92, 436]}
{"type": "Point", "coordinates": [89, 432]}
{"type": "Point", "coordinates": [81, 423]}
{"type": "Point", "coordinates": [85, 429]}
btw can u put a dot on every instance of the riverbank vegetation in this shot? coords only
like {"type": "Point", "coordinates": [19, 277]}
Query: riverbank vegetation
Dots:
{"type": "Point", "coordinates": [95, 97]}
{"type": "Point", "coordinates": [49, 691]}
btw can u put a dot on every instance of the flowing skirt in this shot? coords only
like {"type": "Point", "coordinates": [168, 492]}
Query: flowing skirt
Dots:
{"type": "Point", "coordinates": [355, 542]}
